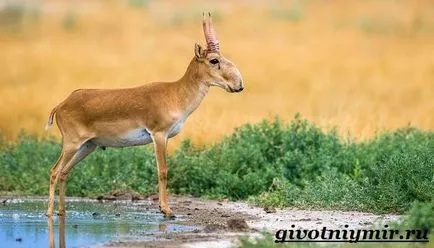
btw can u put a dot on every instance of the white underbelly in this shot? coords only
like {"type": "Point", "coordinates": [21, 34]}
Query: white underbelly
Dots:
{"type": "Point", "coordinates": [135, 137]}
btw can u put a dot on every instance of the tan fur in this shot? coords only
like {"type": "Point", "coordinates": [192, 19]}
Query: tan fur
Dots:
{"type": "Point", "coordinates": [89, 118]}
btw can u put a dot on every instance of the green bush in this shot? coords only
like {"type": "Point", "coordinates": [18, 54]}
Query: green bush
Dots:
{"type": "Point", "coordinates": [384, 174]}
{"type": "Point", "coordinates": [240, 165]}
{"type": "Point", "coordinates": [25, 168]}
{"type": "Point", "coordinates": [273, 163]}
{"type": "Point", "coordinates": [419, 217]}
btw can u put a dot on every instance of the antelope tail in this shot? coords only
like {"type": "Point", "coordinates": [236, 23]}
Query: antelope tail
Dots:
{"type": "Point", "coordinates": [50, 118]}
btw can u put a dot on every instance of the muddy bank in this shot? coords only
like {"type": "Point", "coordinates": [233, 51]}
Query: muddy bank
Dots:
{"type": "Point", "coordinates": [216, 224]}
{"type": "Point", "coordinates": [126, 219]}
{"type": "Point", "coordinates": [220, 223]}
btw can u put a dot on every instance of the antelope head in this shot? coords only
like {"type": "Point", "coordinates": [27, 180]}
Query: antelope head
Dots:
{"type": "Point", "coordinates": [215, 69]}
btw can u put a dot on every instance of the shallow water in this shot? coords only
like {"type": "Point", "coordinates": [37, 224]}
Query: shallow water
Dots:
{"type": "Point", "coordinates": [23, 224]}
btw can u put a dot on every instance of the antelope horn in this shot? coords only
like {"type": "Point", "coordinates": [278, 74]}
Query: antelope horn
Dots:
{"type": "Point", "coordinates": [212, 42]}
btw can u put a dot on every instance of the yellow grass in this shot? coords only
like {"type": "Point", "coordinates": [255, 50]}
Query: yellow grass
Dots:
{"type": "Point", "coordinates": [363, 66]}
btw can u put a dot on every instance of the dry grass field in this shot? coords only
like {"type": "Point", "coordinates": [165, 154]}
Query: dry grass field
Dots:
{"type": "Point", "coordinates": [363, 66]}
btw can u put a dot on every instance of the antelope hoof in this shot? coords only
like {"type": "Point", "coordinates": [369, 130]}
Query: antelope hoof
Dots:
{"type": "Point", "coordinates": [49, 213]}
{"type": "Point", "coordinates": [167, 212]}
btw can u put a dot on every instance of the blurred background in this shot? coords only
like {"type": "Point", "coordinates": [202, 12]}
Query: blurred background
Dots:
{"type": "Point", "coordinates": [362, 66]}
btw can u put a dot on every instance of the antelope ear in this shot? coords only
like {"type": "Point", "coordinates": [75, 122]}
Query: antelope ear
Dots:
{"type": "Point", "coordinates": [199, 51]}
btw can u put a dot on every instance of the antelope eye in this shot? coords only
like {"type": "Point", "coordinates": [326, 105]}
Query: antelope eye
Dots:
{"type": "Point", "coordinates": [214, 61]}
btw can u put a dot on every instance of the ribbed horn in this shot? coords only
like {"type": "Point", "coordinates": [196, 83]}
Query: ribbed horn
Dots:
{"type": "Point", "coordinates": [212, 42]}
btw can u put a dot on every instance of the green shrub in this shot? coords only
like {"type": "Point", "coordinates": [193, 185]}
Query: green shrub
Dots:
{"type": "Point", "coordinates": [273, 163]}
{"type": "Point", "coordinates": [25, 168]}
{"type": "Point", "coordinates": [240, 165]}
{"type": "Point", "coordinates": [385, 174]}
{"type": "Point", "coordinates": [420, 217]}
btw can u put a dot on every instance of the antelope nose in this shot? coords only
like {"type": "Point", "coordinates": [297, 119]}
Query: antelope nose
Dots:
{"type": "Point", "coordinates": [241, 86]}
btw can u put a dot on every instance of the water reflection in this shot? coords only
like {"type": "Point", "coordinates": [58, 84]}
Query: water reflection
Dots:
{"type": "Point", "coordinates": [51, 242]}
{"type": "Point", "coordinates": [162, 226]}
{"type": "Point", "coordinates": [50, 222]}
{"type": "Point", "coordinates": [24, 224]}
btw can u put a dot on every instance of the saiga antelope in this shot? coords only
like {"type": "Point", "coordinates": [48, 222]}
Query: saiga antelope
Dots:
{"type": "Point", "coordinates": [154, 112]}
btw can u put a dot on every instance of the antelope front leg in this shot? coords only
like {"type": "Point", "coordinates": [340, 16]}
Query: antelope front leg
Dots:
{"type": "Point", "coordinates": [160, 144]}
{"type": "Point", "coordinates": [62, 190]}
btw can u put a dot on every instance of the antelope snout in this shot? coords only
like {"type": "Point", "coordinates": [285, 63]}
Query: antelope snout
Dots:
{"type": "Point", "coordinates": [235, 88]}
{"type": "Point", "coordinates": [240, 87]}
